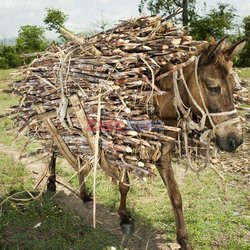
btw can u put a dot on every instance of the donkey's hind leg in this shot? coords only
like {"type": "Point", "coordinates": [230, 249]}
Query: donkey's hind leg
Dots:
{"type": "Point", "coordinates": [166, 171]}
{"type": "Point", "coordinates": [51, 184]}
{"type": "Point", "coordinates": [85, 196]}
{"type": "Point", "coordinates": [127, 222]}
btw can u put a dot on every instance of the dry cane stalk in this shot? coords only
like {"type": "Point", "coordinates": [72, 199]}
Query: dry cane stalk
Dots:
{"type": "Point", "coordinates": [125, 63]}
{"type": "Point", "coordinates": [96, 159]}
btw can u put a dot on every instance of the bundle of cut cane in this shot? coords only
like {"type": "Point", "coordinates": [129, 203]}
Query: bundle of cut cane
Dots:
{"type": "Point", "coordinates": [122, 65]}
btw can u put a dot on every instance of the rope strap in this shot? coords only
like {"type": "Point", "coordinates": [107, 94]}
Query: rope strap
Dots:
{"type": "Point", "coordinates": [234, 111]}
{"type": "Point", "coordinates": [189, 123]}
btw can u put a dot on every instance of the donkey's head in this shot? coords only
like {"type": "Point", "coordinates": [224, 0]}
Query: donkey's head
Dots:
{"type": "Point", "coordinates": [216, 85]}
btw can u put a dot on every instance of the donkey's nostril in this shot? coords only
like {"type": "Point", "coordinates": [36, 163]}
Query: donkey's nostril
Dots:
{"type": "Point", "coordinates": [232, 143]}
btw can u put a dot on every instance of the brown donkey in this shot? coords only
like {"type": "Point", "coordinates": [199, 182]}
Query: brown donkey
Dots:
{"type": "Point", "coordinates": [207, 88]}
{"type": "Point", "coordinates": [210, 82]}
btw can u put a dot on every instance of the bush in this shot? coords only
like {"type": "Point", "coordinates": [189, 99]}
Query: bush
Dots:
{"type": "Point", "coordinates": [9, 57]}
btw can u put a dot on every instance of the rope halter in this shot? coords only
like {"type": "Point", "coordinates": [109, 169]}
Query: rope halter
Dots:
{"type": "Point", "coordinates": [189, 123]}
{"type": "Point", "coordinates": [204, 113]}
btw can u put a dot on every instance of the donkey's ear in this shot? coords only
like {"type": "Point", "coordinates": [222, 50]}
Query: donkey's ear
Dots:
{"type": "Point", "coordinates": [212, 51]}
{"type": "Point", "coordinates": [217, 48]}
{"type": "Point", "coordinates": [235, 49]}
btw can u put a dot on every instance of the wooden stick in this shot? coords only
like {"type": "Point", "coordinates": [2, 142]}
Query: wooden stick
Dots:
{"type": "Point", "coordinates": [82, 117]}
{"type": "Point", "coordinates": [96, 159]}
{"type": "Point", "coordinates": [58, 139]}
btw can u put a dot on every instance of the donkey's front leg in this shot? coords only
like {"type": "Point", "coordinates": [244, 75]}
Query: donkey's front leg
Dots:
{"type": "Point", "coordinates": [166, 171]}
{"type": "Point", "coordinates": [51, 184]}
{"type": "Point", "coordinates": [127, 222]}
{"type": "Point", "coordinates": [85, 196]}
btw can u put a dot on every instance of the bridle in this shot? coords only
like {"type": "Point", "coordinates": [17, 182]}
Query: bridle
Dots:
{"type": "Point", "coordinates": [188, 123]}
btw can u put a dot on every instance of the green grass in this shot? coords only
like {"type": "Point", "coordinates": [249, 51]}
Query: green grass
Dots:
{"type": "Point", "coordinates": [59, 229]}
{"type": "Point", "coordinates": [216, 219]}
{"type": "Point", "coordinates": [7, 132]}
{"type": "Point", "coordinates": [13, 176]}
{"type": "Point", "coordinates": [5, 73]}
{"type": "Point", "coordinates": [7, 100]}
{"type": "Point", "coordinates": [244, 72]}
{"type": "Point", "coordinates": [8, 137]}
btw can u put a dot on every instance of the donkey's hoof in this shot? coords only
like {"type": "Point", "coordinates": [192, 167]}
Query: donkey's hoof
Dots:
{"type": "Point", "coordinates": [128, 227]}
{"type": "Point", "coordinates": [86, 199]}
{"type": "Point", "coordinates": [51, 187]}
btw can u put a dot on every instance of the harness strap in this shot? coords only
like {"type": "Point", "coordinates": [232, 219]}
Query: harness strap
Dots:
{"type": "Point", "coordinates": [200, 126]}
{"type": "Point", "coordinates": [227, 122]}
{"type": "Point", "coordinates": [200, 92]}
{"type": "Point", "coordinates": [224, 113]}
{"type": "Point", "coordinates": [188, 122]}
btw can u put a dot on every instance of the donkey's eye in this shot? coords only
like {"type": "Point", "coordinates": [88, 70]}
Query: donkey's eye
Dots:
{"type": "Point", "coordinates": [214, 90]}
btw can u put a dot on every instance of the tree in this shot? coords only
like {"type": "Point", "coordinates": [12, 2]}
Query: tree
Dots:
{"type": "Point", "coordinates": [31, 39]}
{"type": "Point", "coordinates": [216, 23]}
{"type": "Point", "coordinates": [55, 19]}
{"type": "Point", "coordinates": [169, 7]}
{"type": "Point", "coordinates": [244, 58]}
{"type": "Point", "coordinates": [246, 23]}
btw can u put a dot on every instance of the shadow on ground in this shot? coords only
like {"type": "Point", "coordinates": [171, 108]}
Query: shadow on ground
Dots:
{"type": "Point", "coordinates": [143, 237]}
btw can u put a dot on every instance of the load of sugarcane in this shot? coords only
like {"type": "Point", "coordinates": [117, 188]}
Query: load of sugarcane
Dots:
{"type": "Point", "coordinates": [115, 73]}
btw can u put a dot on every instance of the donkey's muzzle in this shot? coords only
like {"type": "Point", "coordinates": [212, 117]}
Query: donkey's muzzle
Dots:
{"type": "Point", "coordinates": [229, 143]}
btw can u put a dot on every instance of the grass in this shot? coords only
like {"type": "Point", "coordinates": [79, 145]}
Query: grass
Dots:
{"type": "Point", "coordinates": [244, 72]}
{"type": "Point", "coordinates": [216, 219]}
{"type": "Point", "coordinates": [13, 176]}
{"type": "Point", "coordinates": [57, 228]}
{"type": "Point", "coordinates": [60, 229]}
{"type": "Point", "coordinates": [7, 132]}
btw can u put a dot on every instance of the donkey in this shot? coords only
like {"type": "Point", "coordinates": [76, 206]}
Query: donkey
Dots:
{"type": "Point", "coordinates": [216, 83]}
{"type": "Point", "coordinates": [209, 88]}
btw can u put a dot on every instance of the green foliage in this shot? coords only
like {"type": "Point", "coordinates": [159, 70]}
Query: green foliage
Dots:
{"type": "Point", "coordinates": [9, 57]}
{"type": "Point", "coordinates": [246, 22]}
{"type": "Point", "coordinates": [244, 57]}
{"type": "Point", "coordinates": [55, 19]}
{"type": "Point", "coordinates": [166, 7]}
{"type": "Point", "coordinates": [31, 39]}
{"type": "Point", "coordinates": [215, 24]}
{"type": "Point", "coordinates": [162, 6]}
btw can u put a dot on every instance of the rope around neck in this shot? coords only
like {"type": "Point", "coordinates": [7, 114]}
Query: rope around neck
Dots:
{"type": "Point", "coordinates": [189, 123]}
{"type": "Point", "coordinates": [208, 114]}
